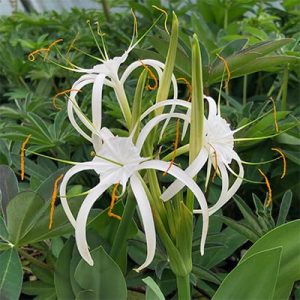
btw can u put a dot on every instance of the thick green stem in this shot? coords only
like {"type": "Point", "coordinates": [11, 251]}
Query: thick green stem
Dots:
{"type": "Point", "coordinates": [183, 287]}
{"type": "Point", "coordinates": [123, 102]}
{"type": "Point", "coordinates": [34, 260]}
{"type": "Point", "coordinates": [122, 232]}
{"type": "Point", "coordinates": [284, 88]}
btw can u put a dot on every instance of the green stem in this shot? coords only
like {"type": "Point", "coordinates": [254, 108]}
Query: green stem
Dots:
{"type": "Point", "coordinates": [183, 287]}
{"type": "Point", "coordinates": [284, 88]}
{"type": "Point", "coordinates": [122, 232]}
{"type": "Point", "coordinates": [245, 90]}
{"type": "Point", "coordinates": [34, 260]}
{"type": "Point", "coordinates": [225, 18]}
{"type": "Point", "coordinates": [122, 99]}
{"type": "Point", "coordinates": [106, 10]}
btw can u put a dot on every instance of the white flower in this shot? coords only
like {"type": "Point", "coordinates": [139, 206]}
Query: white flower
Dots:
{"type": "Point", "coordinates": [217, 151]}
{"type": "Point", "coordinates": [107, 74]}
{"type": "Point", "coordinates": [119, 160]}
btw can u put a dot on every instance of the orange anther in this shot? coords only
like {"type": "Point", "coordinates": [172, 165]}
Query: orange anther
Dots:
{"type": "Point", "coordinates": [226, 68]}
{"type": "Point", "coordinates": [189, 86]}
{"type": "Point", "coordinates": [60, 94]}
{"type": "Point", "coordinates": [268, 186]}
{"type": "Point", "coordinates": [53, 199]}
{"type": "Point", "coordinates": [22, 156]}
{"type": "Point", "coordinates": [149, 87]}
{"type": "Point", "coordinates": [283, 160]}
{"type": "Point", "coordinates": [113, 201]}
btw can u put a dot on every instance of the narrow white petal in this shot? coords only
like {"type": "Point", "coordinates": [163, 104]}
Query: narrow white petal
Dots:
{"type": "Point", "coordinates": [208, 172]}
{"type": "Point", "coordinates": [191, 171]}
{"type": "Point", "coordinates": [151, 124]}
{"type": "Point", "coordinates": [147, 219]}
{"type": "Point", "coordinates": [81, 221]}
{"type": "Point", "coordinates": [63, 187]}
{"type": "Point", "coordinates": [190, 183]}
{"type": "Point", "coordinates": [212, 106]}
{"type": "Point", "coordinates": [97, 101]}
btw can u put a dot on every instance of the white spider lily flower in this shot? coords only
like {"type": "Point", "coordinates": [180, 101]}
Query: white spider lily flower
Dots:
{"type": "Point", "coordinates": [119, 160]}
{"type": "Point", "coordinates": [218, 151]}
{"type": "Point", "coordinates": [107, 74]}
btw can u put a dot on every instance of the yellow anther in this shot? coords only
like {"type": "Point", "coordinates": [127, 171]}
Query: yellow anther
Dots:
{"type": "Point", "coordinates": [283, 161]}
{"type": "Point", "coordinates": [269, 201]}
{"type": "Point", "coordinates": [149, 87]}
{"type": "Point", "coordinates": [60, 94]}
{"type": "Point", "coordinates": [175, 144]}
{"type": "Point", "coordinates": [53, 199]}
{"type": "Point", "coordinates": [226, 68]}
{"type": "Point", "coordinates": [189, 86]}
{"type": "Point", "coordinates": [166, 17]}
{"type": "Point", "coordinates": [114, 198]}
{"type": "Point", "coordinates": [31, 56]}
{"type": "Point", "coordinates": [22, 156]}
{"type": "Point", "coordinates": [275, 114]}
{"type": "Point", "coordinates": [93, 154]}
{"type": "Point", "coordinates": [99, 32]}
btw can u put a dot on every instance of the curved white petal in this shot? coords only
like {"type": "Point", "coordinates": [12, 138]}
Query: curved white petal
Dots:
{"type": "Point", "coordinates": [151, 124]}
{"type": "Point", "coordinates": [63, 187]}
{"type": "Point", "coordinates": [147, 219]}
{"type": "Point", "coordinates": [212, 106]}
{"type": "Point", "coordinates": [81, 221]}
{"type": "Point", "coordinates": [97, 101]}
{"type": "Point", "coordinates": [190, 183]}
{"type": "Point", "coordinates": [191, 171]}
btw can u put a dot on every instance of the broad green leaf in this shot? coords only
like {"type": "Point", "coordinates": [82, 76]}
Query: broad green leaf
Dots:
{"type": "Point", "coordinates": [11, 275]}
{"type": "Point", "coordinates": [3, 230]}
{"type": "Point", "coordinates": [40, 289]}
{"type": "Point", "coordinates": [84, 295]}
{"type": "Point", "coordinates": [62, 274]}
{"type": "Point", "coordinates": [153, 291]}
{"type": "Point", "coordinates": [8, 187]}
{"type": "Point", "coordinates": [253, 278]}
{"type": "Point", "coordinates": [21, 214]}
{"type": "Point", "coordinates": [104, 279]}
{"type": "Point", "coordinates": [287, 237]}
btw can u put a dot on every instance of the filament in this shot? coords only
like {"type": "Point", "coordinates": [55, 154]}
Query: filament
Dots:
{"type": "Point", "coordinates": [53, 199]}
{"type": "Point", "coordinates": [283, 160]}
{"type": "Point", "coordinates": [114, 198]}
{"type": "Point", "coordinates": [226, 68]}
{"type": "Point", "coordinates": [31, 56]}
{"type": "Point", "coordinates": [175, 148]}
{"type": "Point", "coordinates": [189, 86]}
{"type": "Point", "coordinates": [149, 87]}
{"type": "Point", "coordinates": [267, 182]}
{"type": "Point", "coordinates": [23, 156]}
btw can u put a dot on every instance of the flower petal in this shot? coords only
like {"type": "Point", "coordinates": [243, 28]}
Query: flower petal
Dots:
{"type": "Point", "coordinates": [81, 221]}
{"type": "Point", "coordinates": [97, 101]}
{"type": "Point", "coordinates": [63, 187]}
{"type": "Point", "coordinates": [151, 124]}
{"type": "Point", "coordinates": [190, 183]}
{"type": "Point", "coordinates": [147, 219]}
{"type": "Point", "coordinates": [190, 171]}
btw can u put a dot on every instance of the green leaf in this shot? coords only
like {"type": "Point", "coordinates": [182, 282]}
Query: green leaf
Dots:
{"type": "Point", "coordinates": [153, 291]}
{"type": "Point", "coordinates": [11, 275]}
{"type": "Point", "coordinates": [253, 278]}
{"type": "Point", "coordinates": [3, 230]}
{"type": "Point", "coordinates": [284, 207]}
{"type": "Point", "coordinates": [104, 279]}
{"type": "Point", "coordinates": [62, 274]}
{"type": "Point", "coordinates": [21, 214]}
{"type": "Point", "coordinates": [287, 237]}
{"type": "Point", "coordinates": [8, 187]}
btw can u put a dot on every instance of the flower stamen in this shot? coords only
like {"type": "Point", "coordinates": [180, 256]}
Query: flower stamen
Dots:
{"type": "Point", "coordinates": [189, 86]}
{"type": "Point", "coordinates": [22, 156]}
{"type": "Point", "coordinates": [226, 68]}
{"type": "Point", "coordinates": [267, 182]}
{"type": "Point", "coordinates": [275, 114]}
{"type": "Point", "coordinates": [31, 56]}
{"type": "Point", "coordinates": [283, 160]}
{"type": "Point", "coordinates": [175, 147]}
{"type": "Point", "coordinates": [114, 198]}
{"type": "Point", "coordinates": [166, 17]}
{"type": "Point", "coordinates": [53, 200]}
{"type": "Point", "coordinates": [151, 74]}
{"type": "Point", "coordinates": [60, 94]}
